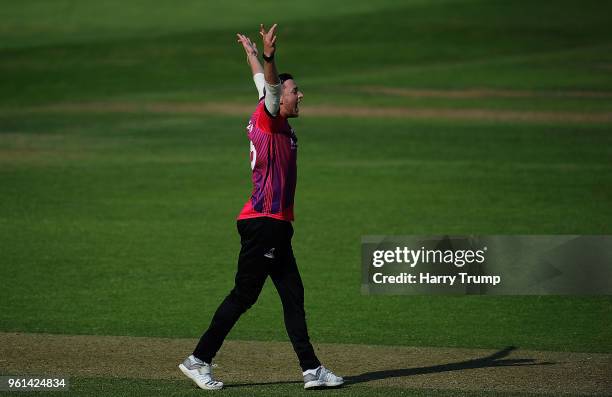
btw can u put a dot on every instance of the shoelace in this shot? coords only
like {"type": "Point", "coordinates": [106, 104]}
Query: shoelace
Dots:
{"type": "Point", "coordinates": [327, 375]}
{"type": "Point", "coordinates": [200, 365]}
{"type": "Point", "coordinates": [208, 375]}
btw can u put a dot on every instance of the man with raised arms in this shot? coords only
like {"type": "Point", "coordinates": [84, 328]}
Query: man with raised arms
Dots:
{"type": "Point", "coordinates": [264, 225]}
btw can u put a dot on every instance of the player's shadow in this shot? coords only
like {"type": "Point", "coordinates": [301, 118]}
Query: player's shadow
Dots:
{"type": "Point", "coordinates": [493, 360]}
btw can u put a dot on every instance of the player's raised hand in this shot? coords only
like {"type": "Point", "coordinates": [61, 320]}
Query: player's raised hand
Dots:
{"type": "Point", "coordinates": [269, 39]}
{"type": "Point", "coordinates": [249, 47]}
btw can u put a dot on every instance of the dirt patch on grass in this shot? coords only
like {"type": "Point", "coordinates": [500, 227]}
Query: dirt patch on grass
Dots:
{"type": "Point", "coordinates": [330, 111]}
{"type": "Point", "coordinates": [480, 93]}
{"type": "Point", "coordinates": [461, 114]}
{"type": "Point", "coordinates": [249, 362]}
{"type": "Point", "coordinates": [17, 148]}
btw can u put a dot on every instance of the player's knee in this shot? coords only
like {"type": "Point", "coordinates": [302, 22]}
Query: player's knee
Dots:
{"type": "Point", "coordinates": [244, 299]}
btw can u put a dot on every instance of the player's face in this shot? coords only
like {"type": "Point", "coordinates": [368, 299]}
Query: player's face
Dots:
{"type": "Point", "coordinates": [290, 99]}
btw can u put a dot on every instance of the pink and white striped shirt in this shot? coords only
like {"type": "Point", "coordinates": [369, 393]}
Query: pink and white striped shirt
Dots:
{"type": "Point", "coordinates": [274, 166]}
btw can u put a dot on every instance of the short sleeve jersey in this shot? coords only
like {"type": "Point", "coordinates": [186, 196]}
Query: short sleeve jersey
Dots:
{"type": "Point", "coordinates": [273, 164]}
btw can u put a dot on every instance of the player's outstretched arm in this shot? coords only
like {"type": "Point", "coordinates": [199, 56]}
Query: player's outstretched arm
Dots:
{"type": "Point", "coordinates": [269, 42]}
{"type": "Point", "coordinates": [250, 48]}
{"type": "Point", "coordinates": [273, 86]}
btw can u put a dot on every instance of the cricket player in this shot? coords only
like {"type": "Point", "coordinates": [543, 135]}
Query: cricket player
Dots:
{"type": "Point", "coordinates": [265, 225]}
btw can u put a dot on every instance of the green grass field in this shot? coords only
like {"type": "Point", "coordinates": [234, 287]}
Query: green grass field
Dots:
{"type": "Point", "coordinates": [124, 223]}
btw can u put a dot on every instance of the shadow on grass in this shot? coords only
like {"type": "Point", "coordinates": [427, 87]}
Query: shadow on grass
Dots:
{"type": "Point", "coordinates": [493, 360]}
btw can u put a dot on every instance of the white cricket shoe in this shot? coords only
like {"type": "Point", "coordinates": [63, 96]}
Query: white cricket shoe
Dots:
{"type": "Point", "coordinates": [321, 377]}
{"type": "Point", "coordinates": [200, 372]}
